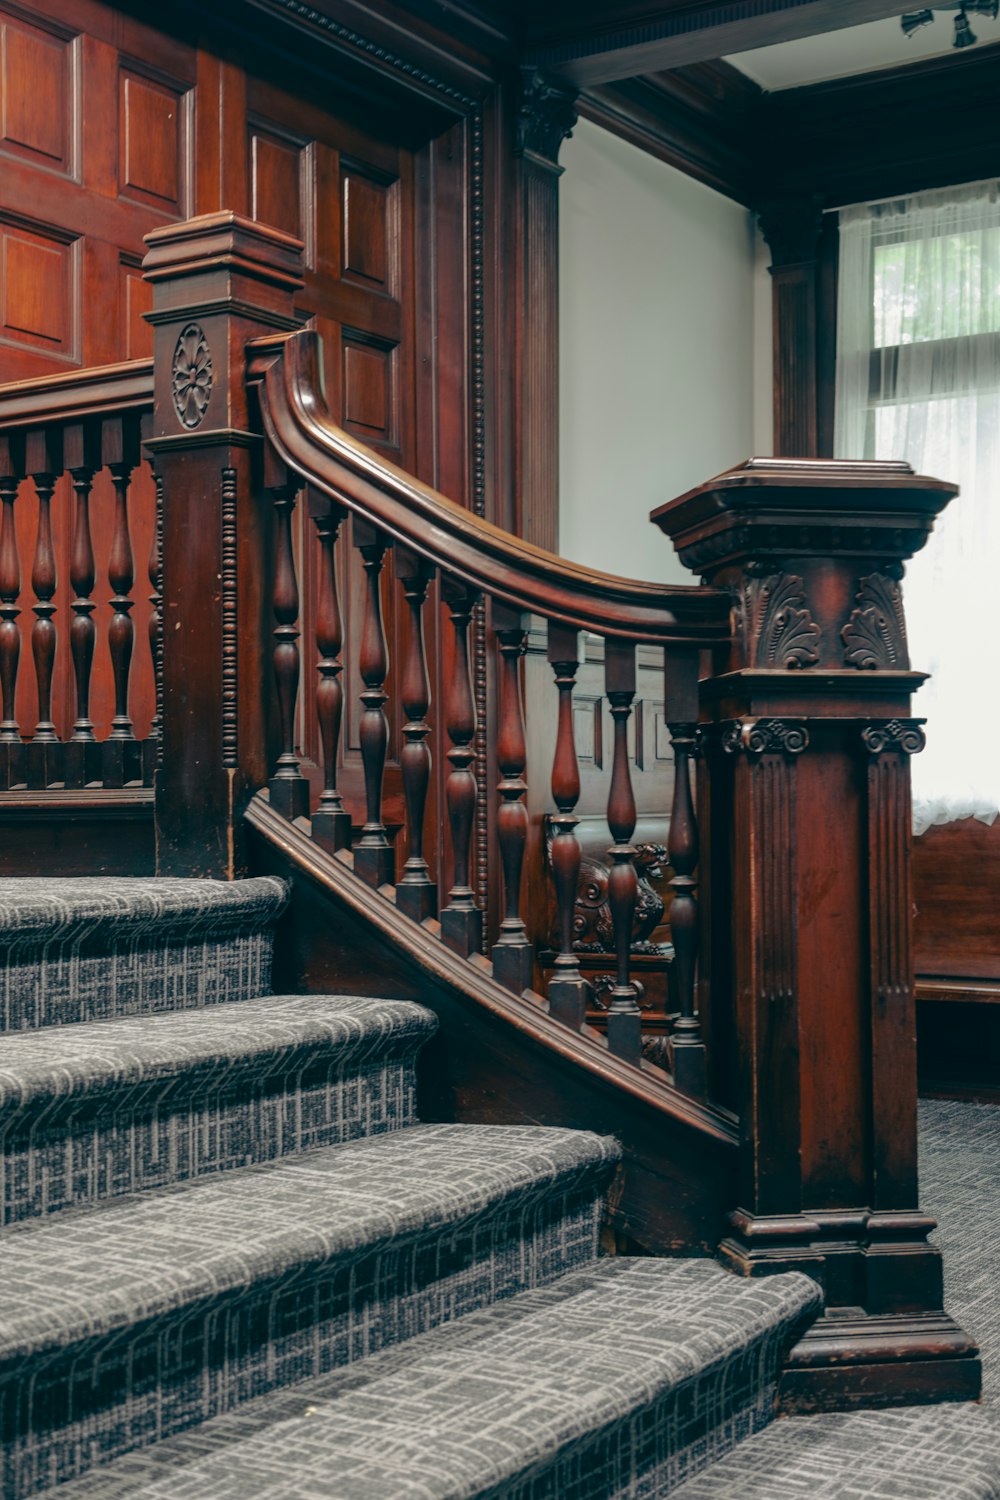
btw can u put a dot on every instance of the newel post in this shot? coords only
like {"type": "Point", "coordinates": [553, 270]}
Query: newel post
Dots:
{"type": "Point", "coordinates": [808, 733]}
{"type": "Point", "coordinates": [218, 281]}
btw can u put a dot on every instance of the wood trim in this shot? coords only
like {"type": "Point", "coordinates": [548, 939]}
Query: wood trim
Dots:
{"type": "Point", "coordinates": [103, 391]}
{"type": "Point", "coordinates": [703, 120]}
{"type": "Point", "coordinates": [525, 1013]}
{"type": "Point", "coordinates": [285, 370]}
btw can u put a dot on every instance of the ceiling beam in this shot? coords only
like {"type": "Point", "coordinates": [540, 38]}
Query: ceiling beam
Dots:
{"type": "Point", "coordinates": [608, 47]}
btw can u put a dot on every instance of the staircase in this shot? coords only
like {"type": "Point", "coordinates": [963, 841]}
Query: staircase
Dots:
{"type": "Point", "coordinates": [235, 1263]}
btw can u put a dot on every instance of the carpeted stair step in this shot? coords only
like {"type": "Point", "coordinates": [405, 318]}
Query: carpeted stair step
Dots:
{"type": "Point", "coordinates": [123, 1323]}
{"type": "Point", "coordinates": [105, 1108]}
{"type": "Point", "coordinates": [81, 949]}
{"type": "Point", "coordinates": [619, 1380]}
{"type": "Point", "coordinates": [948, 1452]}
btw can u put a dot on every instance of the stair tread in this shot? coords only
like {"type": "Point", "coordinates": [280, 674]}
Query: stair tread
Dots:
{"type": "Point", "coordinates": [63, 1062]}
{"type": "Point", "coordinates": [952, 1451]}
{"type": "Point", "coordinates": [86, 1273]}
{"type": "Point", "coordinates": [474, 1407]}
{"type": "Point", "coordinates": [71, 908]}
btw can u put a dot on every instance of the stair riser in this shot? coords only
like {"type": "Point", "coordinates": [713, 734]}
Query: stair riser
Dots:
{"type": "Point", "coordinates": [113, 1395]}
{"type": "Point", "coordinates": [649, 1452]}
{"type": "Point", "coordinates": [162, 1132]}
{"type": "Point", "coordinates": [59, 983]}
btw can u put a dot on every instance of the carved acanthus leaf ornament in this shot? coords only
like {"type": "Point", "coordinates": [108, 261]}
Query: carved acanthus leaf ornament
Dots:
{"type": "Point", "coordinates": [875, 635]}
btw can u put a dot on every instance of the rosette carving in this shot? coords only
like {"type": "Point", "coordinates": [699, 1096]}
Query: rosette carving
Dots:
{"type": "Point", "coordinates": [766, 737]}
{"type": "Point", "coordinates": [875, 635]}
{"type": "Point", "coordinates": [192, 374]}
{"type": "Point", "coordinates": [778, 630]}
{"type": "Point", "coordinates": [904, 735]}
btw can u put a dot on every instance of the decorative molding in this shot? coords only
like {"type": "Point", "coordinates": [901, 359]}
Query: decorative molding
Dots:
{"type": "Point", "coordinates": [192, 375]}
{"type": "Point", "coordinates": [230, 717]}
{"type": "Point", "coordinates": [902, 735]}
{"type": "Point", "coordinates": [777, 628]}
{"type": "Point", "coordinates": [715, 550]}
{"type": "Point", "coordinates": [480, 686]}
{"type": "Point", "coordinates": [765, 737]}
{"type": "Point", "coordinates": [546, 116]}
{"type": "Point", "coordinates": [875, 635]}
{"type": "Point", "coordinates": [372, 51]}
{"type": "Point", "coordinates": [791, 227]}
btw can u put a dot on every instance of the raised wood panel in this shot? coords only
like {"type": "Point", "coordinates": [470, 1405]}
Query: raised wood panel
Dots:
{"type": "Point", "coordinates": [369, 228]}
{"type": "Point", "coordinates": [369, 389]}
{"type": "Point", "coordinates": [39, 302]}
{"type": "Point", "coordinates": [153, 142]}
{"type": "Point", "coordinates": [37, 93]}
{"type": "Point", "coordinates": [136, 300]}
{"type": "Point", "coordinates": [276, 186]}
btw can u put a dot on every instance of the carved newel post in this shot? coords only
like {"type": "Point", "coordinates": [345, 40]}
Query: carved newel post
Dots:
{"type": "Point", "coordinates": [808, 733]}
{"type": "Point", "coordinates": [218, 281]}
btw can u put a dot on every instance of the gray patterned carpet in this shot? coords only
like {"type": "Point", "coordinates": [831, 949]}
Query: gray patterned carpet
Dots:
{"type": "Point", "coordinates": [236, 1267]}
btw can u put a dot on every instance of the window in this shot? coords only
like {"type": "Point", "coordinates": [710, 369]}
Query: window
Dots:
{"type": "Point", "coordinates": [918, 377]}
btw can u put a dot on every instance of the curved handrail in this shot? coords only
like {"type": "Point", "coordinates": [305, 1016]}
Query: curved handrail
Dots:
{"type": "Point", "coordinates": [286, 371]}
{"type": "Point", "coordinates": [99, 391]}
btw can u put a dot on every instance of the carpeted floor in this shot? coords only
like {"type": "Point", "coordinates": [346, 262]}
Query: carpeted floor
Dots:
{"type": "Point", "coordinates": [960, 1186]}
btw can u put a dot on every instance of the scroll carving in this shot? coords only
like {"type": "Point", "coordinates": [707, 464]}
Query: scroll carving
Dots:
{"type": "Point", "coordinates": [192, 374]}
{"type": "Point", "coordinates": [903, 735]}
{"type": "Point", "coordinates": [765, 737]}
{"type": "Point", "coordinates": [778, 630]}
{"type": "Point", "coordinates": [593, 929]}
{"type": "Point", "coordinates": [875, 635]}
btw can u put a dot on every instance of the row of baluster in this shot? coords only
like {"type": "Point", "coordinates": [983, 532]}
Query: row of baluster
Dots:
{"type": "Point", "coordinates": [80, 450]}
{"type": "Point", "coordinates": [461, 917]}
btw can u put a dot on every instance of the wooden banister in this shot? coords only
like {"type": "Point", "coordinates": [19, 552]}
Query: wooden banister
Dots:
{"type": "Point", "coordinates": [70, 465]}
{"type": "Point", "coordinates": [285, 370]}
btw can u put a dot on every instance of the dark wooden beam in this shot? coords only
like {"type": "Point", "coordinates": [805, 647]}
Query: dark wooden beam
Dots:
{"type": "Point", "coordinates": [703, 120]}
{"type": "Point", "coordinates": [600, 42]}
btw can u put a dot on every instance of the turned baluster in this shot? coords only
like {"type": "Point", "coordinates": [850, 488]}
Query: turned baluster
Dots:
{"type": "Point", "coordinates": [569, 992]}
{"type": "Point", "coordinates": [624, 1035]}
{"type": "Point", "coordinates": [331, 823]}
{"type": "Point", "coordinates": [416, 894]}
{"type": "Point", "coordinates": [83, 459]}
{"type": "Point", "coordinates": [121, 455]}
{"type": "Point", "coordinates": [512, 953]}
{"type": "Point", "coordinates": [11, 473]}
{"type": "Point", "coordinates": [374, 858]}
{"type": "Point", "coordinates": [681, 708]}
{"type": "Point", "coordinates": [44, 457]}
{"type": "Point", "coordinates": [288, 788]}
{"type": "Point", "coordinates": [461, 920]}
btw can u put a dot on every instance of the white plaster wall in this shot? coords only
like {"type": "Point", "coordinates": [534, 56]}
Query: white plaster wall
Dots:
{"type": "Point", "coordinates": [660, 305]}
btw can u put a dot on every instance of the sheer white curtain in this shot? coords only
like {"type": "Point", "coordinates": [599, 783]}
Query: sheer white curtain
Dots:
{"type": "Point", "coordinates": [918, 377]}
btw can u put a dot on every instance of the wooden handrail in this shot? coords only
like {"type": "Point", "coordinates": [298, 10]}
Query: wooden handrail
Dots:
{"type": "Point", "coordinates": [286, 371]}
{"type": "Point", "coordinates": [103, 391]}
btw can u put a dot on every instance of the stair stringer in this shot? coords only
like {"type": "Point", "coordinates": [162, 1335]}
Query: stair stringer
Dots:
{"type": "Point", "coordinates": [500, 1058]}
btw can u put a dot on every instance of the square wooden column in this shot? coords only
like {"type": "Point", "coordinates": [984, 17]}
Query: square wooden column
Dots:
{"type": "Point", "coordinates": [808, 732]}
{"type": "Point", "coordinates": [218, 282]}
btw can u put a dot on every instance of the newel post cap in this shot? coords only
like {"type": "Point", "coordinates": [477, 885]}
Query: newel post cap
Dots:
{"type": "Point", "coordinates": [218, 281]}
{"type": "Point", "coordinates": [812, 552]}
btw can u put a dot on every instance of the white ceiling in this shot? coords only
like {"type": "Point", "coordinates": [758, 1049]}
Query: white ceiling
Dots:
{"type": "Point", "coordinates": [856, 49]}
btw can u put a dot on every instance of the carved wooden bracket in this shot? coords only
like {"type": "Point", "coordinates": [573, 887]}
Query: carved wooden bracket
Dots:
{"type": "Point", "coordinates": [765, 737]}
{"type": "Point", "coordinates": [903, 735]}
{"type": "Point", "coordinates": [545, 118]}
